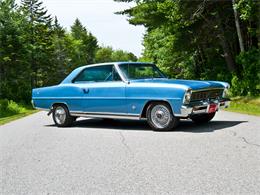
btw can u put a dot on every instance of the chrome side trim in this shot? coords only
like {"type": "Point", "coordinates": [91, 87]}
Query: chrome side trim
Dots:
{"type": "Point", "coordinates": [106, 115]}
{"type": "Point", "coordinates": [103, 98]}
{"type": "Point", "coordinates": [77, 98]}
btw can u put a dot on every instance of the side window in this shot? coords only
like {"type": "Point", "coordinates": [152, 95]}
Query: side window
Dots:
{"type": "Point", "coordinates": [96, 74]}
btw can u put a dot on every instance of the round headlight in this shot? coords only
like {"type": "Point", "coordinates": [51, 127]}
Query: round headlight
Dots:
{"type": "Point", "coordinates": [187, 96]}
{"type": "Point", "coordinates": [225, 93]}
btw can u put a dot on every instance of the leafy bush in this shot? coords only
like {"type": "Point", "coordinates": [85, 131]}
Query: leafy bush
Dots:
{"type": "Point", "coordinates": [9, 107]}
{"type": "Point", "coordinates": [249, 83]}
{"type": "Point", "coordinates": [3, 105]}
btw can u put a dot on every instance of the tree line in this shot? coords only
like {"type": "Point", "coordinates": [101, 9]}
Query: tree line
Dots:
{"type": "Point", "coordinates": [36, 51]}
{"type": "Point", "coordinates": [202, 39]}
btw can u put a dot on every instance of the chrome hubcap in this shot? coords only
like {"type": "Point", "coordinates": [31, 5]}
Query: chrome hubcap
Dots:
{"type": "Point", "coordinates": [161, 116]}
{"type": "Point", "coordinates": [60, 115]}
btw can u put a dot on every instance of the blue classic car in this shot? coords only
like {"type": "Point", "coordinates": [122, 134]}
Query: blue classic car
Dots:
{"type": "Point", "coordinates": [130, 90]}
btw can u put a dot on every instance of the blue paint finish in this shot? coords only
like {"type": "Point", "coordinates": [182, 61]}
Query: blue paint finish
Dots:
{"type": "Point", "coordinates": [101, 97]}
{"type": "Point", "coordinates": [140, 92]}
{"type": "Point", "coordinates": [104, 97]}
{"type": "Point", "coordinates": [195, 85]}
{"type": "Point", "coordinates": [117, 96]}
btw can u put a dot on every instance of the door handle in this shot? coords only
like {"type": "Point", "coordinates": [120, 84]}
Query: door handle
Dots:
{"type": "Point", "coordinates": [85, 90]}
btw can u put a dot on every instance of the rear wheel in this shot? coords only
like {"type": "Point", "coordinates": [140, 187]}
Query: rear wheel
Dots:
{"type": "Point", "coordinates": [203, 118]}
{"type": "Point", "coordinates": [61, 116]}
{"type": "Point", "coordinates": [160, 118]}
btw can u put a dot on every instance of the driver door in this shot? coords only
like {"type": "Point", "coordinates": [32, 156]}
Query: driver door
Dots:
{"type": "Point", "coordinates": [103, 91]}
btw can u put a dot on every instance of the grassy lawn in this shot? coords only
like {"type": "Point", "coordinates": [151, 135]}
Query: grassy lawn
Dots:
{"type": "Point", "coordinates": [10, 110]}
{"type": "Point", "coordinates": [245, 105]}
{"type": "Point", "coordinates": [7, 119]}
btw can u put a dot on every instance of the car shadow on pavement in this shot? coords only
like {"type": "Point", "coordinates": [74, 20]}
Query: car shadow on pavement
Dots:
{"type": "Point", "coordinates": [113, 124]}
{"type": "Point", "coordinates": [189, 126]}
{"type": "Point", "coordinates": [130, 125]}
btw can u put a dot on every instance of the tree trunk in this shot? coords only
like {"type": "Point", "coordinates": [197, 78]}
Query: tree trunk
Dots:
{"type": "Point", "coordinates": [239, 34]}
{"type": "Point", "coordinates": [225, 46]}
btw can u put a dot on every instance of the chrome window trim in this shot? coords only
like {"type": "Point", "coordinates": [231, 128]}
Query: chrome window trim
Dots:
{"type": "Point", "coordinates": [97, 65]}
{"type": "Point", "coordinates": [120, 73]}
{"type": "Point", "coordinates": [127, 80]}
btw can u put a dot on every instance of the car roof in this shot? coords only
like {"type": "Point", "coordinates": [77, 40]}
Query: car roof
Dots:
{"type": "Point", "coordinates": [79, 69]}
{"type": "Point", "coordinates": [110, 63]}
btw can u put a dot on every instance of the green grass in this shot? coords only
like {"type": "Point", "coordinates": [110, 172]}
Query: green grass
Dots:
{"type": "Point", "coordinates": [4, 120]}
{"type": "Point", "coordinates": [245, 105]}
{"type": "Point", "coordinates": [10, 110]}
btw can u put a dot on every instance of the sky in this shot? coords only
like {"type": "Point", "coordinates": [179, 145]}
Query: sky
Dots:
{"type": "Point", "coordinates": [99, 18]}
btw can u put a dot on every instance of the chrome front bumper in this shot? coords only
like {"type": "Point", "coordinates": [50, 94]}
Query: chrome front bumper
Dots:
{"type": "Point", "coordinates": [203, 107]}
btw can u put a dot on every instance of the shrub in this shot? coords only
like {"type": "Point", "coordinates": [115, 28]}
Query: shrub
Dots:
{"type": "Point", "coordinates": [249, 83]}
{"type": "Point", "coordinates": [9, 107]}
{"type": "Point", "coordinates": [3, 105]}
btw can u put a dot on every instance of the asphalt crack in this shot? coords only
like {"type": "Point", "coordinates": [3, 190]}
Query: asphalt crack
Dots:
{"type": "Point", "coordinates": [247, 142]}
{"type": "Point", "coordinates": [244, 139]}
{"type": "Point", "coordinates": [123, 141]}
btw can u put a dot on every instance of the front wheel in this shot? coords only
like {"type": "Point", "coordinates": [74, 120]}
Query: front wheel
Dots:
{"type": "Point", "coordinates": [160, 118]}
{"type": "Point", "coordinates": [203, 118]}
{"type": "Point", "coordinates": [61, 116]}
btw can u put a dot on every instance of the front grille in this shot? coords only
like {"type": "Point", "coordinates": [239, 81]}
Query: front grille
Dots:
{"type": "Point", "coordinates": [207, 94]}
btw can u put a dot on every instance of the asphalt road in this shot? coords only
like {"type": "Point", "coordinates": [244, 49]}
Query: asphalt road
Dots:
{"type": "Point", "coordinates": [127, 157]}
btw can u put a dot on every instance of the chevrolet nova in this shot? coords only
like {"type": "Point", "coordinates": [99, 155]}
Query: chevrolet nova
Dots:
{"type": "Point", "coordinates": [130, 90]}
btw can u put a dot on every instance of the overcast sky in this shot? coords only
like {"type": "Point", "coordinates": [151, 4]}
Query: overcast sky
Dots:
{"type": "Point", "coordinates": [99, 18]}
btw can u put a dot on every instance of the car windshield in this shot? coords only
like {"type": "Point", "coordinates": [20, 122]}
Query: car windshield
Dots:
{"type": "Point", "coordinates": [141, 71]}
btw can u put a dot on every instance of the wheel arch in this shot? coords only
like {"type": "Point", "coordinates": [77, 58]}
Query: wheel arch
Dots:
{"type": "Point", "coordinates": [57, 104]}
{"type": "Point", "coordinates": [144, 110]}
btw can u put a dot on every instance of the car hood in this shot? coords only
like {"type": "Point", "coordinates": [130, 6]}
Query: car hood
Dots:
{"type": "Point", "coordinates": [193, 84]}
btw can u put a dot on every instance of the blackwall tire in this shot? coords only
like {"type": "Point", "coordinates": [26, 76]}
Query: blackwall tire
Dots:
{"type": "Point", "coordinates": [203, 118]}
{"type": "Point", "coordinates": [160, 117]}
{"type": "Point", "coordinates": [61, 116]}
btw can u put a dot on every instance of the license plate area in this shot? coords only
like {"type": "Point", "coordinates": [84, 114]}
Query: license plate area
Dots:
{"type": "Point", "coordinates": [212, 108]}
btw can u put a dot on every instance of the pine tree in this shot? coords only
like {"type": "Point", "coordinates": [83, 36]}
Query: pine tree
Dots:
{"type": "Point", "coordinates": [59, 57]}
{"type": "Point", "coordinates": [88, 44]}
{"type": "Point", "coordinates": [13, 66]}
{"type": "Point", "coordinates": [39, 24]}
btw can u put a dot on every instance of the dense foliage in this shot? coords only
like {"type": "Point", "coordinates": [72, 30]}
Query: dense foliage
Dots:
{"type": "Point", "coordinates": [203, 39]}
{"type": "Point", "coordinates": [9, 108]}
{"type": "Point", "coordinates": [35, 50]}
